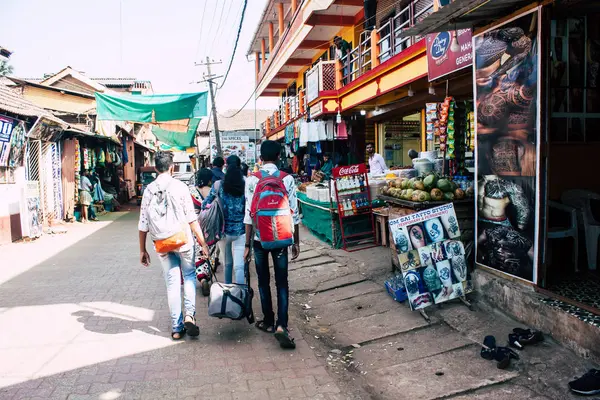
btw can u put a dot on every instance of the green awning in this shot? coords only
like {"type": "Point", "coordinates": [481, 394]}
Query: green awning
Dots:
{"type": "Point", "coordinates": [177, 139]}
{"type": "Point", "coordinates": [151, 108]}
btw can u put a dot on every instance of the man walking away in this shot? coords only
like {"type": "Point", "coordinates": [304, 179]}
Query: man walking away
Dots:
{"type": "Point", "coordinates": [217, 169]}
{"type": "Point", "coordinates": [167, 212]}
{"type": "Point", "coordinates": [272, 215]}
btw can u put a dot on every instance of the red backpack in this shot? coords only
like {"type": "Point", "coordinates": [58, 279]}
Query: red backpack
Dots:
{"type": "Point", "coordinates": [270, 211]}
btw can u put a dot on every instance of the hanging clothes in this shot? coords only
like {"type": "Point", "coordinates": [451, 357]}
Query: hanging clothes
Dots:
{"type": "Point", "coordinates": [125, 157]}
{"type": "Point", "coordinates": [303, 133]}
{"type": "Point", "coordinates": [342, 132]}
{"type": "Point", "coordinates": [321, 130]}
{"type": "Point", "coordinates": [329, 130]}
{"type": "Point", "coordinates": [313, 135]}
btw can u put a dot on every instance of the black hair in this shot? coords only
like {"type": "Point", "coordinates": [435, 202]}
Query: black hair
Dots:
{"type": "Point", "coordinates": [245, 169]}
{"type": "Point", "coordinates": [269, 151]}
{"type": "Point", "coordinates": [218, 162]}
{"type": "Point", "coordinates": [203, 177]}
{"type": "Point", "coordinates": [412, 153]}
{"type": "Point", "coordinates": [327, 154]}
{"type": "Point", "coordinates": [233, 183]}
{"type": "Point", "coordinates": [163, 161]}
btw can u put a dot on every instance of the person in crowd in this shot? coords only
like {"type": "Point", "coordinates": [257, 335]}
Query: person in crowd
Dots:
{"type": "Point", "coordinates": [245, 169]}
{"type": "Point", "coordinates": [85, 195]}
{"type": "Point", "coordinates": [217, 169]}
{"type": "Point", "coordinates": [180, 262]}
{"type": "Point", "coordinates": [200, 191]}
{"type": "Point", "coordinates": [270, 155]}
{"type": "Point", "coordinates": [230, 191]}
{"type": "Point", "coordinates": [376, 162]}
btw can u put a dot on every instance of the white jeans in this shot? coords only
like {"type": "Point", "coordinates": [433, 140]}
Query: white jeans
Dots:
{"type": "Point", "coordinates": [232, 254]}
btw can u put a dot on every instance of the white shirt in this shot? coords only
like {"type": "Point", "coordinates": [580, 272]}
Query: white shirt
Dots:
{"type": "Point", "coordinates": [85, 184]}
{"type": "Point", "coordinates": [377, 164]}
{"type": "Point", "coordinates": [182, 199]}
{"type": "Point", "coordinates": [290, 186]}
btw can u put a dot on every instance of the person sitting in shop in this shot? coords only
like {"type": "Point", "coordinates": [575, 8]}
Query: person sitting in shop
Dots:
{"type": "Point", "coordinates": [376, 162]}
{"type": "Point", "coordinates": [412, 154]}
{"type": "Point", "coordinates": [327, 166]}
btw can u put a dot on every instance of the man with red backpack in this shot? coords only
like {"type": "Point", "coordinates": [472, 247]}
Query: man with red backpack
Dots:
{"type": "Point", "coordinates": [272, 219]}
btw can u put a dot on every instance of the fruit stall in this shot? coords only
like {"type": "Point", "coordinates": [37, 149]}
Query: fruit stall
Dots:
{"type": "Point", "coordinates": [405, 196]}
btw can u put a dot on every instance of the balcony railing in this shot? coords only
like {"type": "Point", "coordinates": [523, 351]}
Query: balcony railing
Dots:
{"type": "Point", "coordinates": [318, 78]}
{"type": "Point", "coordinates": [358, 60]}
{"type": "Point", "coordinates": [288, 110]}
{"type": "Point", "coordinates": [390, 43]}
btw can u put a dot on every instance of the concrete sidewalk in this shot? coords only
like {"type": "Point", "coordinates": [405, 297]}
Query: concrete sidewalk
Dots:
{"type": "Point", "coordinates": [381, 347]}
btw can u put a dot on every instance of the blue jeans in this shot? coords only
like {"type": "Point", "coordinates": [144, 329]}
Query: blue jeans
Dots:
{"type": "Point", "coordinates": [232, 251]}
{"type": "Point", "coordinates": [280, 265]}
{"type": "Point", "coordinates": [175, 264]}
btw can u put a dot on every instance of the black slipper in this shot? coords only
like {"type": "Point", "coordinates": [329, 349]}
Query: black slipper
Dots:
{"type": "Point", "coordinates": [529, 336]}
{"type": "Point", "coordinates": [284, 339]}
{"type": "Point", "coordinates": [262, 325]}
{"type": "Point", "coordinates": [191, 327]}
{"type": "Point", "coordinates": [488, 349]}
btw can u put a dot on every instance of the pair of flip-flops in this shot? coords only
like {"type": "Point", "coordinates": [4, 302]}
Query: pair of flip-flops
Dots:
{"type": "Point", "coordinates": [522, 337]}
{"type": "Point", "coordinates": [502, 355]}
{"type": "Point", "coordinates": [283, 336]}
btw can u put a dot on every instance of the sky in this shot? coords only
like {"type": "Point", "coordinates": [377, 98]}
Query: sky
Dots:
{"type": "Point", "coordinates": [154, 40]}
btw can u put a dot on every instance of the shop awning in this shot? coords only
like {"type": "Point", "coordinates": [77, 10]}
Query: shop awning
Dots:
{"type": "Point", "coordinates": [462, 14]}
{"type": "Point", "coordinates": [151, 108]}
{"type": "Point", "coordinates": [81, 133]}
{"type": "Point", "coordinates": [177, 139]}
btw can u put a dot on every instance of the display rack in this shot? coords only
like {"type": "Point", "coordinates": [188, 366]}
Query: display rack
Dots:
{"type": "Point", "coordinates": [354, 201]}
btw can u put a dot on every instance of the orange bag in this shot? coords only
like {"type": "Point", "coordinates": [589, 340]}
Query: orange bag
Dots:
{"type": "Point", "coordinates": [171, 243]}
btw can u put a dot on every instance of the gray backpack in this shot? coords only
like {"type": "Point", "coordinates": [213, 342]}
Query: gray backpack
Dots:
{"type": "Point", "coordinates": [233, 301]}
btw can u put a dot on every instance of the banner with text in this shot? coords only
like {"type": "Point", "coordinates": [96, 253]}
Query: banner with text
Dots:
{"type": "Point", "coordinates": [448, 52]}
{"type": "Point", "coordinates": [431, 256]}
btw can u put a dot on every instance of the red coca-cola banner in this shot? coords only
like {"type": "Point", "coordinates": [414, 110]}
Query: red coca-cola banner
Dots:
{"type": "Point", "coordinates": [349, 170]}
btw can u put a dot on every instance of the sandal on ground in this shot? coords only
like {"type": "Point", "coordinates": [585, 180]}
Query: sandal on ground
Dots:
{"type": "Point", "coordinates": [489, 348]}
{"type": "Point", "coordinates": [528, 336]}
{"type": "Point", "coordinates": [178, 335]}
{"type": "Point", "coordinates": [190, 326]}
{"type": "Point", "coordinates": [284, 339]}
{"type": "Point", "coordinates": [262, 325]}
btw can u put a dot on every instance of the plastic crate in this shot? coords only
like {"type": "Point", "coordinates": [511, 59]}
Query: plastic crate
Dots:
{"type": "Point", "coordinates": [398, 294]}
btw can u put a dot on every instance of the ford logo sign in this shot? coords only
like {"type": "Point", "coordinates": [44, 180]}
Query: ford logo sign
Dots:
{"type": "Point", "coordinates": [440, 45]}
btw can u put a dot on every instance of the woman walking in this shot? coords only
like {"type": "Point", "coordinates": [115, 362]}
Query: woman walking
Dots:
{"type": "Point", "coordinates": [230, 191]}
{"type": "Point", "coordinates": [200, 192]}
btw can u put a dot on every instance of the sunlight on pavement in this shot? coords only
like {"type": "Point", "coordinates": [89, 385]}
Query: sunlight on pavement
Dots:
{"type": "Point", "coordinates": [64, 337]}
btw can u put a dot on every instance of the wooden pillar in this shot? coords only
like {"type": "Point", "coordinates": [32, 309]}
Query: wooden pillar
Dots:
{"type": "Point", "coordinates": [268, 125]}
{"type": "Point", "coordinates": [280, 14]}
{"type": "Point", "coordinates": [301, 101]}
{"type": "Point", "coordinates": [257, 64]}
{"type": "Point", "coordinates": [374, 48]}
{"type": "Point", "coordinates": [287, 111]}
{"type": "Point", "coordinates": [271, 42]}
{"type": "Point", "coordinates": [294, 5]}
{"type": "Point", "coordinates": [423, 131]}
{"type": "Point", "coordinates": [338, 75]}
{"type": "Point", "coordinates": [262, 51]}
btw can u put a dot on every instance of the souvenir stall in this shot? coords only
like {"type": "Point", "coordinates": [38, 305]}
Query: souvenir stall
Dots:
{"type": "Point", "coordinates": [335, 202]}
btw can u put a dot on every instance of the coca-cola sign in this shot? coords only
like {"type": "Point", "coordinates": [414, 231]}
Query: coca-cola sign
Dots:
{"type": "Point", "coordinates": [349, 170]}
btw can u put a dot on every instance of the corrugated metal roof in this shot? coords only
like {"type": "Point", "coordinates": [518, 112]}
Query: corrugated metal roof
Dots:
{"type": "Point", "coordinates": [462, 14]}
{"type": "Point", "coordinates": [244, 120]}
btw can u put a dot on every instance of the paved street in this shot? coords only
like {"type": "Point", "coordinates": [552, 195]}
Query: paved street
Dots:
{"type": "Point", "coordinates": [82, 320]}
{"type": "Point", "coordinates": [89, 322]}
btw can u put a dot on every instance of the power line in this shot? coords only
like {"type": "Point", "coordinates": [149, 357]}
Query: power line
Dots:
{"type": "Point", "coordinates": [240, 110]}
{"type": "Point", "coordinates": [237, 39]}
{"type": "Point", "coordinates": [201, 28]}
{"type": "Point", "coordinates": [224, 2]}
{"type": "Point", "coordinates": [231, 35]}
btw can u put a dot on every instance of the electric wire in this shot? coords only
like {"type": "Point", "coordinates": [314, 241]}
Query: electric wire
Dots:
{"type": "Point", "coordinates": [237, 39]}
{"type": "Point", "coordinates": [198, 45]}
{"type": "Point", "coordinates": [217, 30]}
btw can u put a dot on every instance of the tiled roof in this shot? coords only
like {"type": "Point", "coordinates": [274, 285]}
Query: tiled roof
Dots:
{"type": "Point", "coordinates": [13, 102]}
{"type": "Point", "coordinates": [244, 120]}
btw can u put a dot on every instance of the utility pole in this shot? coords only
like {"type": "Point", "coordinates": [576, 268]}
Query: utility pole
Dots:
{"type": "Point", "coordinates": [209, 78]}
